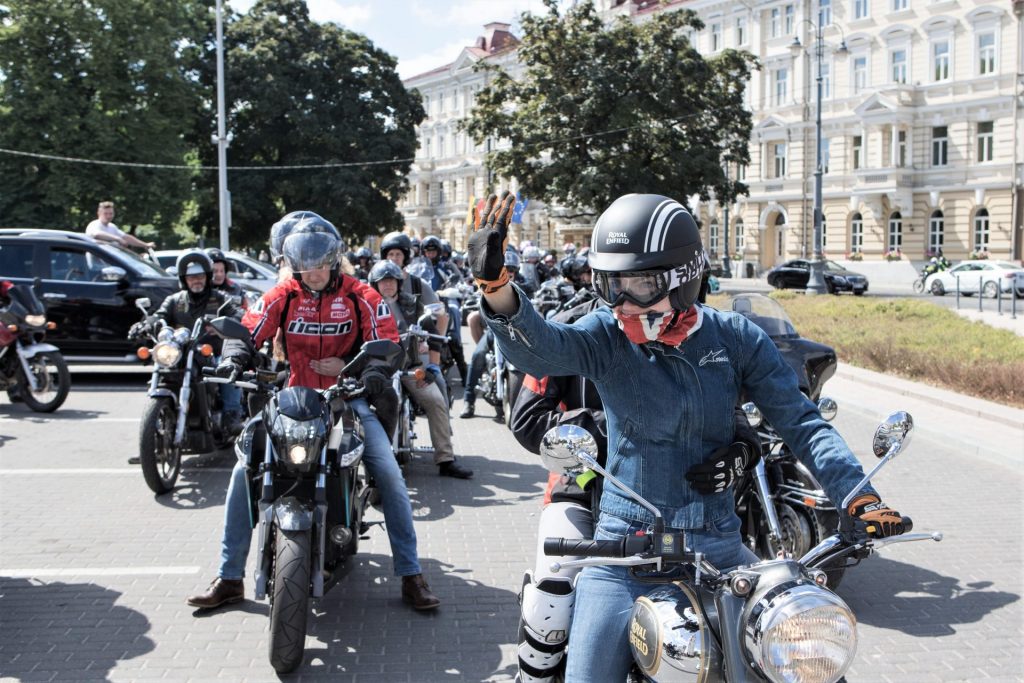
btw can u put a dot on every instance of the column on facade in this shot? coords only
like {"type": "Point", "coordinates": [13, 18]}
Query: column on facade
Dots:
{"type": "Point", "coordinates": [894, 146]}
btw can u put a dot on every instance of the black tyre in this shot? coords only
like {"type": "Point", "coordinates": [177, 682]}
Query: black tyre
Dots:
{"type": "Point", "coordinates": [159, 457]}
{"type": "Point", "coordinates": [858, 292]}
{"type": "Point", "coordinates": [919, 285]}
{"type": "Point", "coordinates": [937, 289]}
{"type": "Point", "coordinates": [53, 381]}
{"type": "Point", "coordinates": [289, 606]}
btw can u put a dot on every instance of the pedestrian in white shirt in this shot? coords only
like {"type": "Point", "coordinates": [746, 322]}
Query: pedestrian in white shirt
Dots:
{"type": "Point", "coordinates": [104, 230]}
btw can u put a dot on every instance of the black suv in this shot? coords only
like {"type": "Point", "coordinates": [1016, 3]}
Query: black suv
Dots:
{"type": "Point", "coordinates": [89, 289]}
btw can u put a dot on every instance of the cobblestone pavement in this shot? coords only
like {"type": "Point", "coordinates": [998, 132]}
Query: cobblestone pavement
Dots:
{"type": "Point", "coordinates": [94, 569]}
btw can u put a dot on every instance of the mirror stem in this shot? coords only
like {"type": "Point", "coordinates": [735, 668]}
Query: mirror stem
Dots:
{"type": "Point", "coordinates": [893, 450]}
{"type": "Point", "coordinates": [591, 462]}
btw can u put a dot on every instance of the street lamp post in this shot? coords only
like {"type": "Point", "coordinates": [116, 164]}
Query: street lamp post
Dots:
{"type": "Point", "coordinates": [816, 278]}
{"type": "Point", "coordinates": [726, 264]}
{"type": "Point", "coordinates": [222, 140]}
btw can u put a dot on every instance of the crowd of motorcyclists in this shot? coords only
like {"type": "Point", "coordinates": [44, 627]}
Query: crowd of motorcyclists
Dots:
{"type": "Point", "coordinates": [591, 338]}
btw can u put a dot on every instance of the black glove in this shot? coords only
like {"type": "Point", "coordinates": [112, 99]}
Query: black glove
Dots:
{"type": "Point", "coordinates": [488, 242]}
{"type": "Point", "coordinates": [139, 330]}
{"type": "Point", "coordinates": [375, 380]}
{"type": "Point", "coordinates": [229, 367]}
{"type": "Point", "coordinates": [881, 520]}
{"type": "Point", "coordinates": [722, 469]}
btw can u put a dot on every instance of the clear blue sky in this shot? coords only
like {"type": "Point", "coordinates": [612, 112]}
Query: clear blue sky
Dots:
{"type": "Point", "coordinates": [422, 34]}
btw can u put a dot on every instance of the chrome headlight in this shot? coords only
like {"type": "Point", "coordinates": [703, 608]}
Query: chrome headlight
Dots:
{"type": "Point", "coordinates": [166, 354]}
{"type": "Point", "coordinates": [298, 442]}
{"type": "Point", "coordinates": [828, 408]}
{"type": "Point", "coordinates": [181, 336]}
{"type": "Point", "coordinates": [803, 634]}
{"type": "Point", "coordinates": [35, 320]}
{"type": "Point", "coordinates": [165, 334]}
{"type": "Point", "coordinates": [753, 414]}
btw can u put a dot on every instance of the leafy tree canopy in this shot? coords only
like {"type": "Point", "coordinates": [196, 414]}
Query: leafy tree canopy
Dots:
{"type": "Point", "coordinates": [308, 93]}
{"type": "Point", "coordinates": [94, 79]}
{"type": "Point", "coordinates": [601, 110]}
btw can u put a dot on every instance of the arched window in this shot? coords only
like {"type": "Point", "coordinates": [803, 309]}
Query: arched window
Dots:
{"type": "Point", "coordinates": [856, 233]}
{"type": "Point", "coordinates": [895, 231]}
{"type": "Point", "coordinates": [780, 235]}
{"type": "Point", "coordinates": [981, 233]}
{"type": "Point", "coordinates": [936, 230]}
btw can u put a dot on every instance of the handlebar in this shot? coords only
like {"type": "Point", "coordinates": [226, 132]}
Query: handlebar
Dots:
{"type": "Point", "coordinates": [630, 545]}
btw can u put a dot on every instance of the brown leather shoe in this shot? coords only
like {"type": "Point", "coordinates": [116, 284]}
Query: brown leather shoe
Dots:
{"type": "Point", "coordinates": [220, 592]}
{"type": "Point", "coordinates": [416, 592]}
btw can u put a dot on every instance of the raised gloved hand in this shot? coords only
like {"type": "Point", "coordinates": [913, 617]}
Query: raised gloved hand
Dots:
{"type": "Point", "coordinates": [488, 242]}
{"type": "Point", "coordinates": [722, 469]}
{"type": "Point", "coordinates": [881, 520]}
{"type": "Point", "coordinates": [375, 380]}
{"type": "Point", "coordinates": [229, 367]}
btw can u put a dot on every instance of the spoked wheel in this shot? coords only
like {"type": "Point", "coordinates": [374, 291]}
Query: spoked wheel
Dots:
{"type": "Point", "coordinates": [937, 288]}
{"type": "Point", "coordinates": [53, 381]}
{"type": "Point", "coordinates": [289, 606]}
{"type": "Point", "coordinates": [991, 290]}
{"type": "Point", "coordinates": [159, 457]}
{"type": "Point", "coordinates": [919, 285]}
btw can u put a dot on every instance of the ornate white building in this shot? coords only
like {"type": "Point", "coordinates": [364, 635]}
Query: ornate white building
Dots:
{"type": "Point", "coordinates": [922, 129]}
{"type": "Point", "coordinates": [922, 133]}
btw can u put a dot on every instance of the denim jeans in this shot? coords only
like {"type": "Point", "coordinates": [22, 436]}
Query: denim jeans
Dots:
{"type": "Point", "coordinates": [380, 464]}
{"type": "Point", "coordinates": [230, 397]}
{"type": "Point", "coordinates": [598, 645]}
{"type": "Point", "coordinates": [477, 366]}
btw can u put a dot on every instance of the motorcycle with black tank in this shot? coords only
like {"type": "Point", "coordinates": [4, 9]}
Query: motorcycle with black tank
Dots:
{"type": "Point", "coordinates": [182, 415]}
{"type": "Point", "coordinates": [31, 371]}
{"type": "Point", "coordinates": [307, 490]}
{"type": "Point", "coordinates": [783, 509]}
{"type": "Point", "coordinates": [775, 620]}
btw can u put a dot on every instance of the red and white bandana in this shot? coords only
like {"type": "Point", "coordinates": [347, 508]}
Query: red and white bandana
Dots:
{"type": "Point", "coordinates": [670, 328]}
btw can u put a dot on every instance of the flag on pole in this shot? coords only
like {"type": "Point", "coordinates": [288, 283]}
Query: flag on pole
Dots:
{"type": "Point", "coordinates": [519, 208]}
{"type": "Point", "coordinates": [470, 214]}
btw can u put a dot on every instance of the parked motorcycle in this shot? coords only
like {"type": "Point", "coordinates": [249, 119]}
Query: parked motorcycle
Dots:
{"type": "Point", "coordinates": [550, 296]}
{"type": "Point", "coordinates": [405, 434]}
{"type": "Point", "coordinates": [774, 621]}
{"type": "Point", "coordinates": [308, 490]}
{"type": "Point", "coordinates": [500, 382]}
{"type": "Point", "coordinates": [182, 415]}
{"type": "Point", "coordinates": [32, 372]}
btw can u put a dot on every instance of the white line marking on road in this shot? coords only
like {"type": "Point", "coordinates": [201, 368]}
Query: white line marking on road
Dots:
{"type": "Point", "coordinates": [77, 420]}
{"type": "Point", "coordinates": [94, 571]}
{"type": "Point", "coordinates": [101, 470]}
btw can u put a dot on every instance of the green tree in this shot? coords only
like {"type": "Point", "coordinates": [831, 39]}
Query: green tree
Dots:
{"type": "Point", "coordinates": [601, 110]}
{"type": "Point", "coordinates": [305, 93]}
{"type": "Point", "coordinates": [95, 79]}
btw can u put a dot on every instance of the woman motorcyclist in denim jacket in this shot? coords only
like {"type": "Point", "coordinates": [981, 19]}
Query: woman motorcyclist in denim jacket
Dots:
{"type": "Point", "coordinates": [669, 372]}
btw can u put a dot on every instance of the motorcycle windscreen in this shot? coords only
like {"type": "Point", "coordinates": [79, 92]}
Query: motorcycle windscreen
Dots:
{"type": "Point", "coordinates": [300, 403]}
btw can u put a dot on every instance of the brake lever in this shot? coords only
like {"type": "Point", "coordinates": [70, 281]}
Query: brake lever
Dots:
{"type": "Point", "coordinates": [633, 561]}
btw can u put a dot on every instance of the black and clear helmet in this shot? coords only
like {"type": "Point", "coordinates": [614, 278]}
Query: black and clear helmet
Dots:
{"type": "Point", "coordinates": [431, 242]}
{"type": "Point", "coordinates": [512, 259]}
{"type": "Point", "coordinates": [281, 229]}
{"type": "Point", "coordinates": [217, 256]}
{"type": "Point", "coordinates": [313, 243]}
{"type": "Point", "coordinates": [364, 252]}
{"type": "Point", "coordinates": [646, 247]}
{"type": "Point", "coordinates": [194, 262]}
{"type": "Point", "coordinates": [383, 270]}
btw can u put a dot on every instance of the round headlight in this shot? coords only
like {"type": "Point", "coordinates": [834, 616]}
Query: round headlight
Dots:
{"type": "Point", "coordinates": [804, 634]}
{"type": "Point", "coordinates": [165, 334]}
{"type": "Point", "coordinates": [297, 454]}
{"type": "Point", "coordinates": [35, 320]}
{"type": "Point", "coordinates": [166, 354]}
{"type": "Point", "coordinates": [753, 414]}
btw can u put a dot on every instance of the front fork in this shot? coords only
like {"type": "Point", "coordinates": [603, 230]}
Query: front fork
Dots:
{"type": "Point", "coordinates": [764, 495]}
{"type": "Point", "coordinates": [184, 395]}
{"type": "Point", "coordinates": [30, 376]}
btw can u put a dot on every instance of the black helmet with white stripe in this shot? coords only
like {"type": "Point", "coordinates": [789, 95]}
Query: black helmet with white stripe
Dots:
{"type": "Point", "coordinates": [646, 247]}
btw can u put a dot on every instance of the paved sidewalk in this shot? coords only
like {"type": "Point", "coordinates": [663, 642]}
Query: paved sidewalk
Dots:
{"type": "Point", "coordinates": [978, 427]}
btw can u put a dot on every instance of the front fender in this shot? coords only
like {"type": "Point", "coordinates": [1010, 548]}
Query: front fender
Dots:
{"type": "Point", "coordinates": [291, 515]}
{"type": "Point", "coordinates": [163, 391]}
{"type": "Point", "coordinates": [33, 350]}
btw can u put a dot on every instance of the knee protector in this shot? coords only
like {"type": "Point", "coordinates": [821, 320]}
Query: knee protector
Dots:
{"type": "Point", "coordinates": [544, 626]}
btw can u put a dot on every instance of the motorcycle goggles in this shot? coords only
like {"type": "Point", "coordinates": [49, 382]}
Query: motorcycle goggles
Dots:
{"type": "Point", "coordinates": [643, 288]}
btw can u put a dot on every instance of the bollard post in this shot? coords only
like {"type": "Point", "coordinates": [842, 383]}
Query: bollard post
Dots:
{"type": "Point", "coordinates": [1013, 304]}
{"type": "Point", "coordinates": [958, 294]}
{"type": "Point", "coordinates": [999, 299]}
{"type": "Point", "coordinates": [980, 278]}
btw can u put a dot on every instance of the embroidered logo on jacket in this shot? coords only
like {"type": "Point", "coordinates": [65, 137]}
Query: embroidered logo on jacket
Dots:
{"type": "Point", "coordinates": [300, 326]}
{"type": "Point", "coordinates": [717, 356]}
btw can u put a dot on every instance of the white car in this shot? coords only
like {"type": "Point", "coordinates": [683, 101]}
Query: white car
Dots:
{"type": "Point", "coordinates": [989, 277]}
{"type": "Point", "coordinates": [249, 272]}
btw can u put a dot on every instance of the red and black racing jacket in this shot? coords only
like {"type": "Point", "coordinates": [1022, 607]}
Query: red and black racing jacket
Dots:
{"type": "Point", "coordinates": [334, 323]}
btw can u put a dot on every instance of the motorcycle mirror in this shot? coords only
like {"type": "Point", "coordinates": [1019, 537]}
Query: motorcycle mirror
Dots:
{"type": "Point", "coordinates": [143, 303]}
{"type": "Point", "coordinates": [828, 408]}
{"type": "Point", "coordinates": [893, 434]}
{"type": "Point", "coordinates": [753, 414]}
{"type": "Point", "coordinates": [379, 350]}
{"type": "Point", "coordinates": [229, 328]}
{"type": "Point", "coordinates": [560, 446]}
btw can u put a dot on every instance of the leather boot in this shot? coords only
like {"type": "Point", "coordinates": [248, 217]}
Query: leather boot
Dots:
{"type": "Point", "coordinates": [416, 592]}
{"type": "Point", "coordinates": [451, 469]}
{"type": "Point", "coordinates": [220, 592]}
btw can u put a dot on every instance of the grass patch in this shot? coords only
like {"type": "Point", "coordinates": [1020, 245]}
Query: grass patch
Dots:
{"type": "Point", "coordinates": [914, 339]}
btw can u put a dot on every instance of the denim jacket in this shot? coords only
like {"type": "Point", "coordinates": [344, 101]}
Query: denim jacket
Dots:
{"type": "Point", "coordinates": [668, 409]}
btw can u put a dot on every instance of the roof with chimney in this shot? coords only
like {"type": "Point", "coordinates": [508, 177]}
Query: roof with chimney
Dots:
{"type": "Point", "coordinates": [497, 39]}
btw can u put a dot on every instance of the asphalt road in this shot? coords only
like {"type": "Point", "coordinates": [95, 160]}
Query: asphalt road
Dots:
{"type": "Point", "coordinates": [94, 569]}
